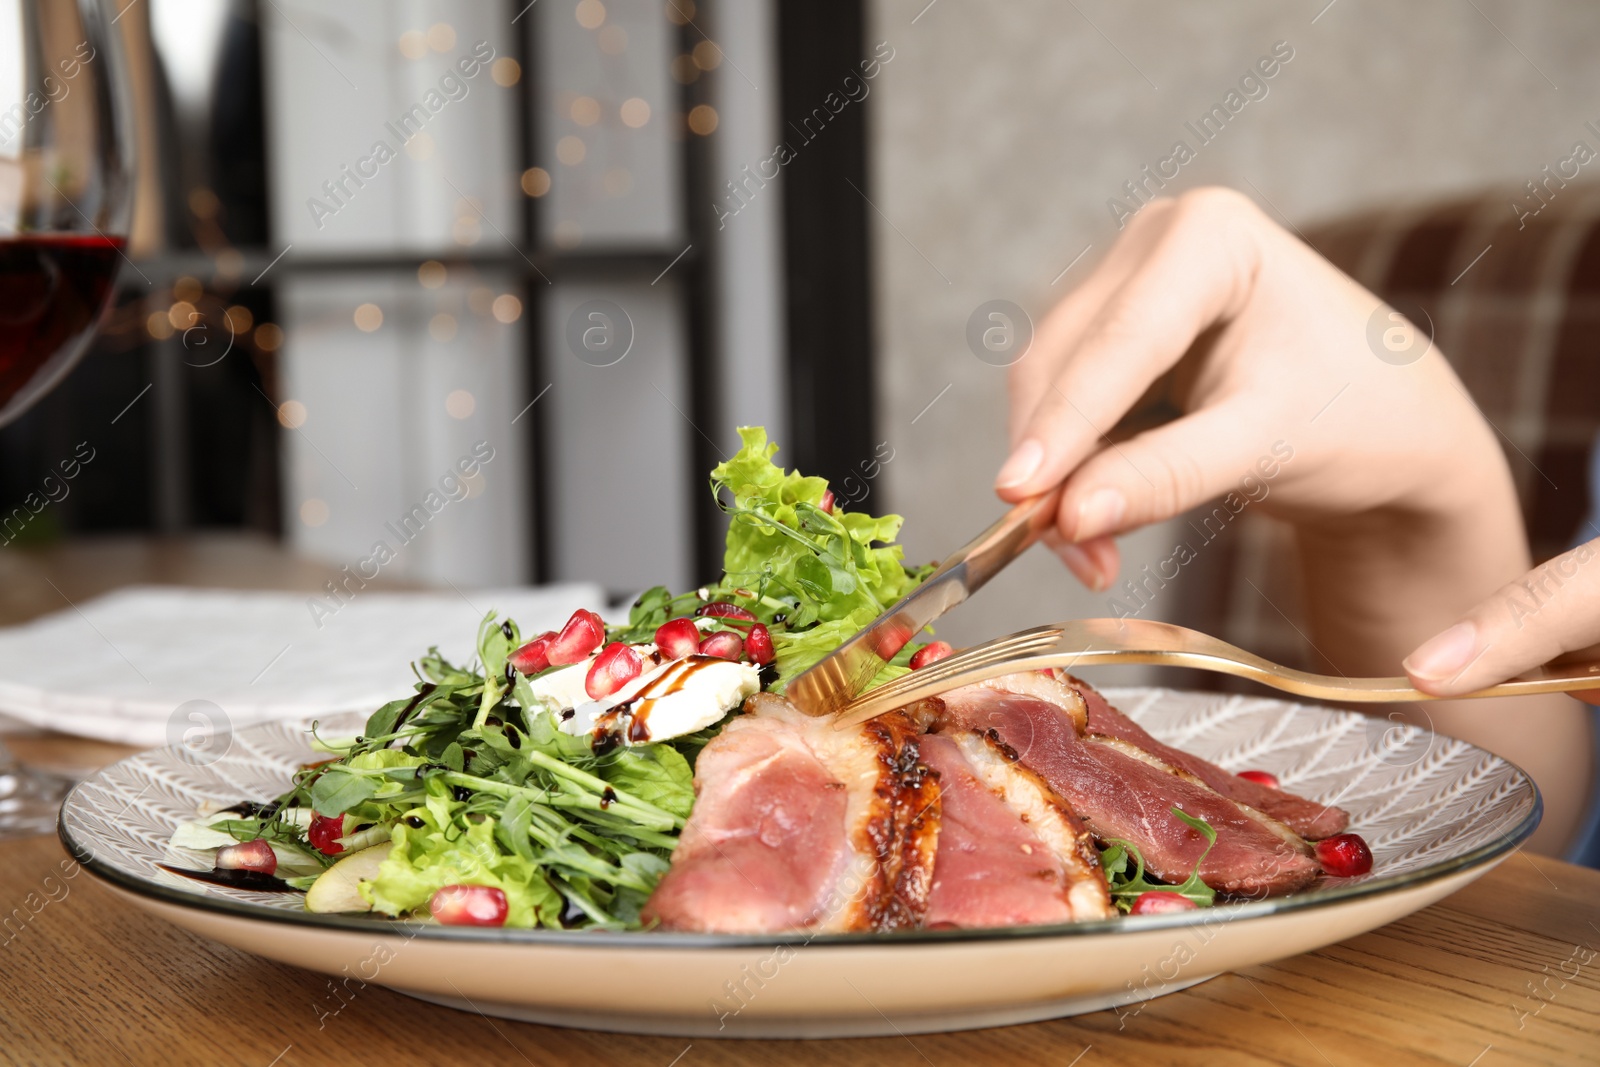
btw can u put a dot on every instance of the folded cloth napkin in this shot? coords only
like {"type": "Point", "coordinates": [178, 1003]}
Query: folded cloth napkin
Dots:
{"type": "Point", "coordinates": [146, 665]}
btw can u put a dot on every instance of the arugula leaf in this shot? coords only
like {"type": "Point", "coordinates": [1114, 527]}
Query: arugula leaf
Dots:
{"type": "Point", "coordinates": [655, 773]}
{"type": "Point", "coordinates": [1126, 888]}
{"type": "Point", "coordinates": [337, 790]}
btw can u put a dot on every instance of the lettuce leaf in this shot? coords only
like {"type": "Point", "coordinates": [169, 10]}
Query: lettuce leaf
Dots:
{"type": "Point", "coordinates": [426, 859]}
{"type": "Point", "coordinates": [824, 574]}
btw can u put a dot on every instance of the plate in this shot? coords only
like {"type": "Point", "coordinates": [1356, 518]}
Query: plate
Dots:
{"type": "Point", "coordinates": [1437, 812]}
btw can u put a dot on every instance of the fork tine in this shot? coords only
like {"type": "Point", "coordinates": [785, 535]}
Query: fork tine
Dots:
{"type": "Point", "coordinates": [1003, 648]}
{"type": "Point", "coordinates": [933, 677]}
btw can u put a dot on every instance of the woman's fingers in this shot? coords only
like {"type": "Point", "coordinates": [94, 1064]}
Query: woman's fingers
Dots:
{"type": "Point", "coordinates": [1094, 563]}
{"type": "Point", "coordinates": [1198, 273]}
{"type": "Point", "coordinates": [1216, 452]}
{"type": "Point", "coordinates": [1554, 609]}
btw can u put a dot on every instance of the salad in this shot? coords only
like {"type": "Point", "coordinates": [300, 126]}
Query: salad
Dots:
{"type": "Point", "coordinates": [546, 783]}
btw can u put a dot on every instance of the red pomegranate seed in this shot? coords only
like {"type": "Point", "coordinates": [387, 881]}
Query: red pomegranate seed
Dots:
{"type": "Point", "coordinates": [721, 609]}
{"type": "Point", "coordinates": [1344, 855]}
{"type": "Point", "coordinates": [724, 645]}
{"type": "Point", "coordinates": [1260, 778]}
{"type": "Point", "coordinates": [582, 634]}
{"type": "Point", "coordinates": [678, 638]}
{"type": "Point", "coordinates": [758, 645]}
{"type": "Point", "coordinates": [892, 640]}
{"type": "Point", "coordinates": [827, 501]}
{"type": "Point", "coordinates": [614, 668]}
{"type": "Point", "coordinates": [324, 834]}
{"type": "Point", "coordinates": [930, 653]}
{"type": "Point", "coordinates": [254, 855]}
{"type": "Point", "coordinates": [469, 905]}
{"type": "Point", "coordinates": [1160, 902]}
{"type": "Point", "coordinates": [534, 656]}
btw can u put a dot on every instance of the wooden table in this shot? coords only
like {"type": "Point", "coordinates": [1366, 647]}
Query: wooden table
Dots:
{"type": "Point", "coordinates": [1506, 971]}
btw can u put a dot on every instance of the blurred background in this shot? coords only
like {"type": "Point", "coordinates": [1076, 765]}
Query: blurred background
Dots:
{"type": "Point", "coordinates": [588, 238]}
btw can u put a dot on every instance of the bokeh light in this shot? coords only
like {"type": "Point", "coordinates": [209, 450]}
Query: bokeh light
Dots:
{"type": "Point", "coordinates": [703, 119]}
{"type": "Point", "coordinates": [634, 112]}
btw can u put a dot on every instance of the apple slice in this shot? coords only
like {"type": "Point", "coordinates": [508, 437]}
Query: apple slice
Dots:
{"type": "Point", "coordinates": [339, 887]}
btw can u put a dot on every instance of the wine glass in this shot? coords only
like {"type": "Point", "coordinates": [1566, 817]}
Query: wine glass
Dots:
{"type": "Point", "coordinates": [66, 177]}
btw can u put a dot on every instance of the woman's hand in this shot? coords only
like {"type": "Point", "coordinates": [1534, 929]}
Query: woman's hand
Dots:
{"type": "Point", "coordinates": [1548, 613]}
{"type": "Point", "coordinates": [1400, 496]}
{"type": "Point", "coordinates": [1278, 351]}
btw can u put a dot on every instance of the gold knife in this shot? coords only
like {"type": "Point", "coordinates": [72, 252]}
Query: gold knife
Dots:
{"type": "Point", "coordinates": [842, 674]}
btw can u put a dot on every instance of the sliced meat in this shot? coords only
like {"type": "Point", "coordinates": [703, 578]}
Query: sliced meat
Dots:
{"type": "Point", "coordinates": [766, 843]}
{"type": "Point", "coordinates": [1008, 854]}
{"type": "Point", "coordinates": [1123, 792]}
{"type": "Point", "coordinates": [798, 826]}
{"type": "Point", "coordinates": [1306, 817]}
{"type": "Point", "coordinates": [900, 829]}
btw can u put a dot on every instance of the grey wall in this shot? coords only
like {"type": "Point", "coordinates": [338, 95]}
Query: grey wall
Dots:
{"type": "Point", "coordinates": [1000, 130]}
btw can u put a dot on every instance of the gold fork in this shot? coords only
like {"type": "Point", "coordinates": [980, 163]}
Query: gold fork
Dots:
{"type": "Point", "coordinates": [1090, 642]}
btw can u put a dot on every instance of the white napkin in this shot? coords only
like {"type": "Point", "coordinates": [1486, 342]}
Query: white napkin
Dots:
{"type": "Point", "coordinates": [125, 667]}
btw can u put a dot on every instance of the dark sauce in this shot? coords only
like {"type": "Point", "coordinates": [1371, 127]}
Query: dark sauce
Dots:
{"type": "Point", "coordinates": [505, 628]}
{"type": "Point", "coordinates": [250, 809]}
{"type": "Point", "coordinates": [572, 915]}
{"type": "Point", "coordinates": [513, 738]}
{"type": "Point", "coordinates": [252, 880]}
{"type": "Point", "coordinates": [639, 713]}
{"type": "Point", "coordinates": [411, 705]}
{"type": "Point", "coordinates": [568, 713]}
{"type": "Point", "coordinates": [608, 798]}
{"type": "Point", "coordinates": [413, 822]}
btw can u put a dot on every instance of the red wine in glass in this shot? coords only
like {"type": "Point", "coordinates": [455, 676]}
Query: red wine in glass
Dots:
{"type": "Point", "coordinates": [53, 289]}
{"type": "Point", "coordinates": [66, 175]}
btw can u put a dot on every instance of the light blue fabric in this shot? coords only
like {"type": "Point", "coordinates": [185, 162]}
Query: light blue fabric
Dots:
{"type": "Point", "coordinates": [1585, 848]}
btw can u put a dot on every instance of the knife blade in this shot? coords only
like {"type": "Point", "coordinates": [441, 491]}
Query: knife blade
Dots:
{"type": "Point", "coordinates": [842, 674]}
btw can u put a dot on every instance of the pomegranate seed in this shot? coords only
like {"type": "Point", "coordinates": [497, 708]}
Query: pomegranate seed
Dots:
{"type": "Point", "coordinates": [614, 668]}
{"type": "Point", "coordinates": [1344, 855]}
{"type": "Point", "coordinates": [1160, 902]}
{"type": "Point", "coordinates": [254, 855]}
{"type": "Point", "coordinates": [724, 645]}
{"type": "Point", "coordinates": [324, 834]}
{"type": "Point", "coordinates": [827, 501]}
{"type": "Point", "coordinates": [931, 652]}
{"type": "Point", "coordinates": [534, 656]}
{"type": "Point", "coordinates": [678, 638]}
{"type": "Point", "coordinates": [469, 905]}
{"type": "Point", "coordinates": [1260, 778]}
{"type": "Point", "coordinates": [892, 640]}
{"type": "Point", "coordinates": [758, 645]}
{"type": "Point", "coordinates": [721, 609]}
{"type": "Point", "coordinates": [582, 634]}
